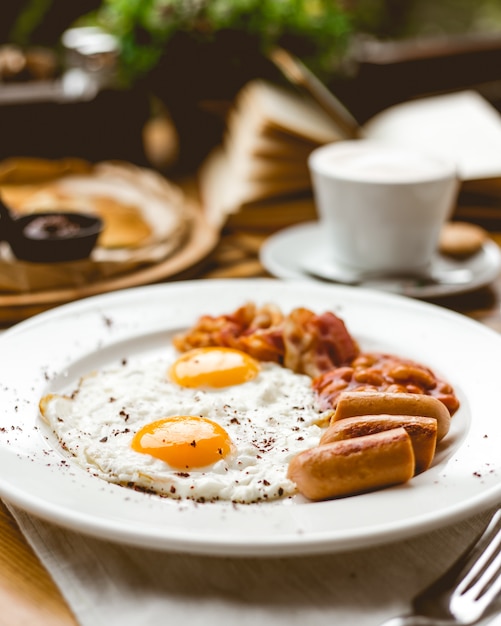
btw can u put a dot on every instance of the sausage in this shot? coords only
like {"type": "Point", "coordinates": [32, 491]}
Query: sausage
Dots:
{"type": "Point", "coordinates": [352, 466]}
{"type": "Point", "coordinates": [353, 403]}
{"type": "Point", "coordinates": [422, 431]}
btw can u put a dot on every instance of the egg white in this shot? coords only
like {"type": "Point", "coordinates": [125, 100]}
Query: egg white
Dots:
{"type": "Point", "coordinates": [269, 420]}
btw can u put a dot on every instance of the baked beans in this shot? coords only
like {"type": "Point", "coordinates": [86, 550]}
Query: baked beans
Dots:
{"type": "Point", "coordinates": [384, 373]}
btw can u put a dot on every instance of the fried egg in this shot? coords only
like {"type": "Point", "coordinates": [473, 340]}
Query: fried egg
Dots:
{"type": "Point", "coordinates": [212, 424]}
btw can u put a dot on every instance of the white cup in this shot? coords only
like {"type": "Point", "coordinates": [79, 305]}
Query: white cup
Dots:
{"type": "Point", "coordinates": [382, 207]}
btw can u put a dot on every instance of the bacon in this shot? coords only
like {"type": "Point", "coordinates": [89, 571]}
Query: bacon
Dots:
{"type": "Point", "coordinates": [302, 340]}
{"type": "Point", "coordinates": [316, 343]}
{"type": "Point", "coordinates": [256, 331]}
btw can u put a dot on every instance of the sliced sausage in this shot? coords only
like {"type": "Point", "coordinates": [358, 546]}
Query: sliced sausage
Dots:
{"type": "Point", "coordinates": [354, 466]}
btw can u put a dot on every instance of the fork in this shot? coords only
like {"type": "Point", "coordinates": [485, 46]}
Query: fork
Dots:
{"type": "Point", "coordinates": [464, 592]}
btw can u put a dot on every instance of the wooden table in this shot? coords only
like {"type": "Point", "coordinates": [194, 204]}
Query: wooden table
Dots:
{"type": "Point", "coordinates": [27, 593]}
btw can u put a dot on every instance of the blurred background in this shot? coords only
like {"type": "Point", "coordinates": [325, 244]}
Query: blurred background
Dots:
{"type": "Point", "coordinates": [150, 81]}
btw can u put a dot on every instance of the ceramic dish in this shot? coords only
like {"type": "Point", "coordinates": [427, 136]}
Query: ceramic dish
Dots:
{"type": "Point", "coordinates": [290, 252]}
{"type": "Point", "coordinates": [50, 352]}
{"type": "Point", "coordinates": [50, 237]}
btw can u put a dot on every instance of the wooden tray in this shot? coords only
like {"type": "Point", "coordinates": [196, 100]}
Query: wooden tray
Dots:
{"type": "Point", "coordinates": [201, 240]}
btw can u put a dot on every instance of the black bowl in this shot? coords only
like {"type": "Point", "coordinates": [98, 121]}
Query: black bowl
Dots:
{"type": "Point", "coordinates": [52, 237]}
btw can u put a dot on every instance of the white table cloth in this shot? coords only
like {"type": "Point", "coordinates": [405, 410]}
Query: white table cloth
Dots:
{"type": "Point", "coordinates": [108, 584]}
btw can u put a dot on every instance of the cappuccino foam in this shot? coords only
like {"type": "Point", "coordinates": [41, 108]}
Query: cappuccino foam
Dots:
{"type": "Point", "coordinates": [381, 165]}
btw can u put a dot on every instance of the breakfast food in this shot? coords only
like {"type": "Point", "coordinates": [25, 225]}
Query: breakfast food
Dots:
{"type": "Point", "coordinates": [301, 340]}
{"type": "Point", "coordinates": [385, 373]}
{"type": "Point", "coordinates": [421, 430]}
{"type": "Point", "coordinates": [248, 407]}
{"type": "Point", "coordinates": [146, 218]}
{"type": "Point", "coordinates": [133, 215]}
{"type": "Point", "coordinates": [354, 465]}
{"type": "Point", "coordinates": [461, 239]}
{"type": "Point", "coordinates": [125, 225]}
{"type": "Point", "coordinates": [357, 403]}
{"type": "Point", "coordinates": [213, 425]}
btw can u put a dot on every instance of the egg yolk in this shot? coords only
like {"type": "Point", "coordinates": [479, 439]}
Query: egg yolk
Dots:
{"type": "Point", "coordinates": [213, 367]}
{"type": "Point", "coordinates": [183, 441]}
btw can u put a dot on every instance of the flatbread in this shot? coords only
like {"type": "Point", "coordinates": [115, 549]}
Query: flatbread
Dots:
{"type": "Point", "coordinates": [146, 217]}
{"type": "Point", "coordinates": [124, 224]}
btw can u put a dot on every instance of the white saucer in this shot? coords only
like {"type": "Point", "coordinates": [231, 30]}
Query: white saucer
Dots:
{"type": "Point", "coordinates": [287, 253]}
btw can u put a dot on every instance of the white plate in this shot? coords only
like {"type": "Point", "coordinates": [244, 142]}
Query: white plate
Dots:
{"type": "Point", "coordinates": [50, 352]}
{"type": "Point", "coordinates": [289, 252]}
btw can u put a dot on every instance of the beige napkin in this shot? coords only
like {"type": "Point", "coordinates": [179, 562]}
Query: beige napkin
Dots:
{"type": "Point", "coordinates": [108, 584]}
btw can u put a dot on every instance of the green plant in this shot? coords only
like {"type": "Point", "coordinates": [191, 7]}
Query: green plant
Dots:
{"type": "Point", "coordinates": [318, 29]}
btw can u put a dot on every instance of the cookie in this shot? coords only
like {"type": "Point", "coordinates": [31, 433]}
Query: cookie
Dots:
{"type": "Point", "coordinates": [461, 239]}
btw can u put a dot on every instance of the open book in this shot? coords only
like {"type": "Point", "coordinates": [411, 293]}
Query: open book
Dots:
{"type": "Point", "coordinates": [259, 176]}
